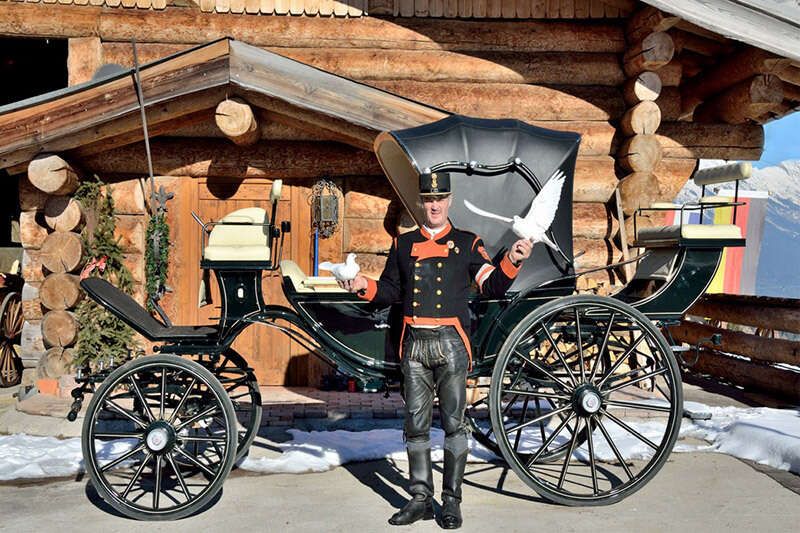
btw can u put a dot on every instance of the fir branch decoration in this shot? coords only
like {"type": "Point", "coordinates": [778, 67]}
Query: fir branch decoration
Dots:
{"type": "Point", "coordinates": [156, 254]}
{"type": "Point", "coordinates": [101, 335]}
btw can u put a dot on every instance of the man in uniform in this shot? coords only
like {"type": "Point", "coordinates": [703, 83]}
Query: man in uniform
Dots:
{"type": "Point", "coordinates": [431, 269]}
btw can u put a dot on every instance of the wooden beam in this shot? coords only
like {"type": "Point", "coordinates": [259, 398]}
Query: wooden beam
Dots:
{"type": "Point", "coordinates": [790, 74]}
{"type": "Point", "coordinates": [181, 26]}
{"type": "Point", "coordinates": [64, 123]}
{"type": "Point", "coordinates": [651, 53]}
{"type": "Point", "coordinates": [672, 175]}
{"type": "Point", "coordinates": [747, 100]}
{"type": "Point", "coordinates": [639, 189]}
{"type": "Point", "coordinates": [525, 102]}
{"type": "Point", "coordinates": [84, 57]}
{"type": "Point", "coordinates": [779, 314]}
{"type": "Point", "coordinates": [50, 173]}
{"type": "Point", "coordinates": [732, 69]}
{"type": "Point", "coordinates": [646, 21]}
{"type": "Point", "coordinates": [642, 119]}
{"type": "Point", "coordinates": [236, 119]}
{"type": "Point", "coordinates": [427, 65]}
{"type": "Point", "coordinates": [640, 153]}
{"type": "Point", "coordinates": [701, 45]}
{"type": "Point", "coordinates": [670, 104]}
{"type": "Point", "coordinates": [765, 349]}
{"type": "Point", "coordinates": [643, 87]}
{"type": "Point", "coordinates": [711, 141]}
{"type": "Point", "coordinates": [751, 376]}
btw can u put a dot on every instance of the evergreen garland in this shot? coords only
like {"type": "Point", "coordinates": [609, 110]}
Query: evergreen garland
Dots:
{"type": "Point", "coordinates": [156, 254]}
{"type": "Point", "coordinates": [102, 336]}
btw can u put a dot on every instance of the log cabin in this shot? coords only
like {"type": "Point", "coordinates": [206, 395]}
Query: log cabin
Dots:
{"type": "Point", "coordinates": [238, 93]}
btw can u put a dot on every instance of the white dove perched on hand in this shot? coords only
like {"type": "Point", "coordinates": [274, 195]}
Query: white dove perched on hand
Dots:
{"type": "Point", "coordinates": [540, 215]}
{"type": "Point", "coordinates": [343, 271]}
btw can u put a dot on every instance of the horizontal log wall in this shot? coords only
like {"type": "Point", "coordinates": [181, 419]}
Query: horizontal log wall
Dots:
{"type": "Point", "coordinates": [756, 361]}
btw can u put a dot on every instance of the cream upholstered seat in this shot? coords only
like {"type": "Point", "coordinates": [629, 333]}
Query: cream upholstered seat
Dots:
{"type": "Point", "coordinates": [308, 284]}
{"type": "Point", "coordinates": [671, 235]}
{"type": "Point", "coordinates": [240, 236]}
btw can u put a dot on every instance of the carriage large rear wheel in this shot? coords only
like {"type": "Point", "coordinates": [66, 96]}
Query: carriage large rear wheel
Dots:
{"type": "Point", "coordinates": [585, 400]}
{"type": "Point", "coordinates": [159, 438]}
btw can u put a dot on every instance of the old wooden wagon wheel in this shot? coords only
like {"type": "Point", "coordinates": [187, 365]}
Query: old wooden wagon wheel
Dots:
{"type": "Point", "coordinates": [10, 329]}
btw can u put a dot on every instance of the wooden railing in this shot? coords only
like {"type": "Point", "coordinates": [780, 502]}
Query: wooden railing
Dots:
{"type": "Point", "coordinates": [756, 361]}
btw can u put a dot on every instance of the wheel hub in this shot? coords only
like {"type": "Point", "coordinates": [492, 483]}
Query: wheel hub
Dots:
{"type": "Point", "coordinates": [160, 437]}
{"type": "Point", "coordinates": [587, 400]}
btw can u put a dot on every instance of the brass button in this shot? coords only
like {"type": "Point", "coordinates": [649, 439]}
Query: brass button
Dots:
{"type": "Point", "coordinates": [438, 278]}
{"type": "Point", "coordinates": [439, 265]}
{"type": "Point", "coordinates": [438, 306]}
{"type": "Point", "coordinates": [415, 304]}
{"type": "Point", "coordinates": [416, 290]}
{"type": "Point", "coordinates": [439, 292]}
{"type": "Point", "coordinates": [417, 264]}
{"type": "Point", "coordinates": [417, 278]}
{"type": "Point", "coordinates": [414, 318]}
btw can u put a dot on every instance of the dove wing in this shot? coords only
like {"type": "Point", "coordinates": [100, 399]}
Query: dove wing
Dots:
{"type": "Point", "coordinates": [326, 265]}
{"type": "Point", "coordinates": [481, 212]}
{"type": "Point", "coordinates": [544, 206]}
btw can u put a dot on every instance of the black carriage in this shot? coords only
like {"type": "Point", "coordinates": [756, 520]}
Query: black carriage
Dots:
{"type": "Point", "coordinates": [572, 376]}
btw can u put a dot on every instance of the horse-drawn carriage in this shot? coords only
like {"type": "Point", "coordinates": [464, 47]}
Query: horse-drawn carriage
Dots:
{"type": "Point", "coordinates": [585, 395]}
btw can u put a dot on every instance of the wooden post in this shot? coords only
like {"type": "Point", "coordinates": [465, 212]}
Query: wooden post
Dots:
{"type": "Point", "coordinates": [651, 53]}
{"type": "Point", "coordinates": [51, 174]}
{"type": "Point", "coordinates": [84, 57]}
{"type": "Point", "coordinates": [63, 213]}
{"type": "Point", "coordinates": [744, 101]}
{"type": "Point", "coordinates": [31, 231]}
{"type": "Point", "coordinates": [235, 118]}
{"type": "Point", "coordinates": [62, 252]}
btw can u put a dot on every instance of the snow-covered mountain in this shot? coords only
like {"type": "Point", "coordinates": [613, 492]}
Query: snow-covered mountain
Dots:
{"type": "Point", "coordinates": [780, 248]}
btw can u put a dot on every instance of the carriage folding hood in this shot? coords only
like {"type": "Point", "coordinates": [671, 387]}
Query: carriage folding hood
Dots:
{"type": "Point", "coordinates": [404, 154]}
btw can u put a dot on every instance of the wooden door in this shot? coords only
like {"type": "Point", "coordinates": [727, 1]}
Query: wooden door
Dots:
{"type": "Point", "coordinates": [276, 359]}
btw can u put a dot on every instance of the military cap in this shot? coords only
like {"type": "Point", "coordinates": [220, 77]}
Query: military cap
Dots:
{"type": "Point", "coordinates": [434, 183]}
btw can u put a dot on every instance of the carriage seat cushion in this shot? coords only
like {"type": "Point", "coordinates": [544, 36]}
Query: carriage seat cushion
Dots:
{"type": "Point", "coordinates": [672, 235]}
{"type": "Point", "coordinates": [238, 241]}
{"type": "Point", "coordinates": [308, 284]}
{"type": "Point", "coordinates": [133, 314]}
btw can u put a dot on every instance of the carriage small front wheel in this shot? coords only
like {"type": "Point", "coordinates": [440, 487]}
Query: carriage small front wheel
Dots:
{"type": "Point", "coordinates": [592, 383]}
{"type": "Point", "coordinates": [159, 438]}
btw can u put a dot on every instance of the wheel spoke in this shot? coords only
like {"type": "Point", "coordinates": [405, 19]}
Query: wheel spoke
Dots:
{"type": "Point", "coordinates": [537, 419]}
{"type": "Point", "coordinates": [163, 394]}
{"type": "Point", "coordinates": [209, 438]}
{"type": "Point", "coordinates": [546, 329]}
{"type": "Point", "coordinates": [178, 474]}
{"type": "Point", "coordinates": [622, 358]}
{"type": "Point", "coordinates": [122, 457]}
{"type": "Point", "coordinates": [630, 382]}
{"type": "Point", "coordinates": [522, 417]}
{"type": "Point", "coordinates": [590, 443]}
{"type": "Point", "coordinates": [568, 457]}
{"type": "Point", "coordinates": [630, 430]}
{"type": "Point", "coordinates": [580, 344]}
{"type": "Point", "coordinates": [538, 412]}
{"type": "Point", "coordinates": [195, 462]}
{"type": "Point", "coordinates": [208, 412]}
{"type": "Point", "coordinates": [182, 401]}
{"type": "Point", "coordinates": [614, 448]}
{"type": "Point", "coordinates": [136, 476]}
{"type": "Point", "coordinates": [550, 440]}
{"type": "Point", "coordinates": [603, 347]}
{"type": "Point", "coordinates": [124, 412]}
{"type": "Point", "coordinates": [540, 368]}
{"type": "Point", "coordinates": [537, 394]}
{"type": "Point", "coordinates": [157, 487]}
{"type": "Point", "coordinates": [635, 405]}
{"type": "Point", "coordinates": [107, 435]}
{"type": "Point", "coordinates": [140, 396]}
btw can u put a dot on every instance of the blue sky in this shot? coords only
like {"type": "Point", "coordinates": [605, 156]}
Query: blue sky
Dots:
{"type": "Point", "coordinates": [781, 141]}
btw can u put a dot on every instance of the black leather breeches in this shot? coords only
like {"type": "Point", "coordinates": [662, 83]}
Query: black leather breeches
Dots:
{"type": "Point", "coordinates": [435, 361]}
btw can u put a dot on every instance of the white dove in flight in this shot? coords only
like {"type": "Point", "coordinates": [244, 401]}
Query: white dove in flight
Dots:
{"type": "Point", "coordinates": [343, 271]}
{"type": "Point", "coordinates": [540, 215]}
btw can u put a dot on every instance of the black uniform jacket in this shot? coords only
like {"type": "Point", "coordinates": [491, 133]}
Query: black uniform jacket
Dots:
{"type": "Point", "coordinates": [432, 277]}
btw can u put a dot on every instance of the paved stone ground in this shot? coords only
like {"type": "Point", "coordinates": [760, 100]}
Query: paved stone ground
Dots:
{"type": "Point", "coordinates": [693, 492]}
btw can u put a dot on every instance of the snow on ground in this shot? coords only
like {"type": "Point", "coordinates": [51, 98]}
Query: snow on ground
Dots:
{"type": "Point", "coordinates": [766, 436]}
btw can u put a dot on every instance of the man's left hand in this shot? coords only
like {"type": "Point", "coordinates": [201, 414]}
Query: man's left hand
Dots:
{"type": "Point", "coordinates": [520, 251]}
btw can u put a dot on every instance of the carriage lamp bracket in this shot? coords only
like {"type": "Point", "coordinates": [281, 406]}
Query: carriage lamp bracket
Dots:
{"type": "Point", "coordinates": [324, 199]}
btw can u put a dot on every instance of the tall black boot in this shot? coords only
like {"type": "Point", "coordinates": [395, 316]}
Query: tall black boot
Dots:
{"type": "Point", "coordinates": [420, 507]}
{"type": "Point", "coordinates": [451, 488]}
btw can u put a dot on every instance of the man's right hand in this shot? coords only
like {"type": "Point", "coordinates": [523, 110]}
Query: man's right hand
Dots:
{"type": "Point", "coordinates": [354, 285]}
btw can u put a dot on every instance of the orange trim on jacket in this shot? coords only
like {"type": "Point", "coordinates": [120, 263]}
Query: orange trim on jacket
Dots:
{"type": "Point", "coordinates": [440, 321]}
{"type": "Point", "coordinates": [439, 235]}
{"type": "Point", "coordinates": [370, 291]}
{"type": "Point", "coordinates": [427, 249]}
{"type": "Point", "coordinates": [508, 267]}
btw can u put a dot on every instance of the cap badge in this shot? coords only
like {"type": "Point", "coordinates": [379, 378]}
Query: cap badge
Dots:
{"type": "Point", "coordinates": [434, 183]}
